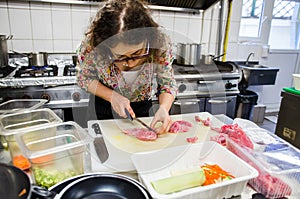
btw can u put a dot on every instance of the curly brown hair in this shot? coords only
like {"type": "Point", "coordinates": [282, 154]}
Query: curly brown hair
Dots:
{"type": "Point", "coordinates": [117, 19]}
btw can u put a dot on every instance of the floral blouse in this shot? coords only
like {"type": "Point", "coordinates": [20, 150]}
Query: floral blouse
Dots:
{"type": "Point", "coordinates": [92, 67]}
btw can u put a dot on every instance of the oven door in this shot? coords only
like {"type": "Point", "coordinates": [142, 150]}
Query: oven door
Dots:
{"type": "Point", "coordinates": [221, 105]}
{"type": "Point", "coordinates": [188, 105]}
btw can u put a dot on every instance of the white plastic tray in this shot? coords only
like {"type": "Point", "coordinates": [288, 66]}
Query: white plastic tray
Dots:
{"type": "Point", "coordinates": [156, 165]}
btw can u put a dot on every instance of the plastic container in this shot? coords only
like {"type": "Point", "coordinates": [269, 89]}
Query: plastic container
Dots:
{"type": "Point", "coordinates": [278, 165]}
{"type": "Point", "coordinates": [17, 105]}
{"type": "Point", "coordinates": [166, 161]}
{"type": "Point", "coordinates": [14, 123]}
{"type": "Point", "coordinates": [296, 78]}
{"type": "Point", "coordinates": [56, 151]}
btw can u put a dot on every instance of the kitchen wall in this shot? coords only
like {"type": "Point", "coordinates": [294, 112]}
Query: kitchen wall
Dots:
{"type": "Point", "coordinates": [53, 27]}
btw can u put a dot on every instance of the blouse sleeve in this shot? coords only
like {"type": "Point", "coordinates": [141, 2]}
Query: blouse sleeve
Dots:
{"type": "Point", "coordinates": [86, 66]}
{"type": "Point", "coordinates": [165, 75]}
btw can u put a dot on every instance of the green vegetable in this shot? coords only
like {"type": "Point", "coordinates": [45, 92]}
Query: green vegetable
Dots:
{"type": "Point", "coordinates": [47, 179]}
{"type": "Point", "coordinates": [179, 182]}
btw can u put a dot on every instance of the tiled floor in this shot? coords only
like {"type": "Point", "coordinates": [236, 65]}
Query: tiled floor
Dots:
{"type": "Point", "coordinates": [269, 122]}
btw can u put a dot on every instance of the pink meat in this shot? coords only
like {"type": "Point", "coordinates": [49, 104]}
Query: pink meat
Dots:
{"type": "Point", "coordinates": [206, 122]}
{"type": "Point", "coordinates": [180, 126]}
{"type": "Point", "coordinates": [192, 139]}
{"type": "Point", "coordinates": [141, 134]}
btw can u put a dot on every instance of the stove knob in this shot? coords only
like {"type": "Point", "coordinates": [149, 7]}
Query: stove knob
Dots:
{"type": "Point", "coordinates": [229, 85]}
{"type": "Point", "coordinates": [46, 96]}
{"type": "Point", "coordinates": [181, 88]}
{"type": "Point", "coordinates": [76, 96]}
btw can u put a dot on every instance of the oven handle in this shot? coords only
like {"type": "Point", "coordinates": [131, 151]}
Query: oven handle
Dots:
{"type": "Point", "coordinates": [194, 102]}
{"type": "Point", "coordinates": [214, 101]}
{"type": "Point", "coordinates": [206, 82]}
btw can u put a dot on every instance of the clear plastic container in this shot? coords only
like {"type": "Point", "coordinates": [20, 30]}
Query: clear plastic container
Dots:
{"type": "Point", "coordinates": [17, 105]}
{"type": "Point", "coordinates": [56, 151]}
{"type": "Point", "coordinates": [14, 123]}
{"type": "Point", "coordinates": [278, 165]}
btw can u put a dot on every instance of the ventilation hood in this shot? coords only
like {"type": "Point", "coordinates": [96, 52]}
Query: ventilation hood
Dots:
{"type": "Point", "coordinates": [192, 4]}
{"type": "Point", "coordinates": [173, 5]}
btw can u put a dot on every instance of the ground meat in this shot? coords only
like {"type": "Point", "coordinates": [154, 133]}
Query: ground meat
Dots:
{"type": "Point", "coordinates": [180, 126]}
{"type": "Point", "coordinates": [141, 134]}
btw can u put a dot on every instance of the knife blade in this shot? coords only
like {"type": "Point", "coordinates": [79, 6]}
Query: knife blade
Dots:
{"type": "Point", "coordinates": [139, 121]}
{"type": "Point", "coordinates": [99, 143]}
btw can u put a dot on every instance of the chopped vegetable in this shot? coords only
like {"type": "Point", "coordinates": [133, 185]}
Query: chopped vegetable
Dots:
{"type": "Point", "coordinates": [179, 182]}
{"type": "Point", "coordinates": [21, 162]}
{"type": "Point", "coordinates": [47, 179]}
{"type": "Point", "coordinates": [23, 192]}
{"type": "Point", "coordinates": [214, 173]}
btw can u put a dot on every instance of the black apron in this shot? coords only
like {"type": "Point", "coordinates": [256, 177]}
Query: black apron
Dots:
{"type": "Point", "coordinates": [100, 109]}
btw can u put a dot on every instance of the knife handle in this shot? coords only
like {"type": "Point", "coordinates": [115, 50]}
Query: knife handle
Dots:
{"type": "Point", "coordinates": [97, 129]}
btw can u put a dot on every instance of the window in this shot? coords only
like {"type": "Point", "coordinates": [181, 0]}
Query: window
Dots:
{"type": "Point", "coordinates": [278, 27]}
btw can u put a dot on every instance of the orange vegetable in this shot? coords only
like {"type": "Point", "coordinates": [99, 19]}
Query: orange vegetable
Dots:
{"type": "Point", "coordinates": [214, 173]}
{"type": "Point", "coordinates": [21, 162]}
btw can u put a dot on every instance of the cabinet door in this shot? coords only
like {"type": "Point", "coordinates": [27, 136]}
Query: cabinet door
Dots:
{"type": "Point", "coordinates": [193, 105]}
{"type": "Point", "coordinates": [221, 105]}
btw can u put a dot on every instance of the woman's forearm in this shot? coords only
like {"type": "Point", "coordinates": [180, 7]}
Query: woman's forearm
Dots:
{"type": "Point", "coordinates": [98, 89]}
{"type": "Point", "coordinates": [166, 100]}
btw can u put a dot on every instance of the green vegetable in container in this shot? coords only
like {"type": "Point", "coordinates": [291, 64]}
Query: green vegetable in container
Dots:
{"type": "Point", "coordinates": [47, 179]}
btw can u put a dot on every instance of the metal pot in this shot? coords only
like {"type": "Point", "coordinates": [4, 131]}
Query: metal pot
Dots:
{"type": "Point", "coordinates": [3, 50]}
{"type": "Point", "coordinates": [188, 54]}
{"type": "Point", "coordinates": [38, 59]}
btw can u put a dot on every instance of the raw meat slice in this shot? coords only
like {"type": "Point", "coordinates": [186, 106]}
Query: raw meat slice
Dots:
{"type": "Point", "coordinates": [180, 126]}
{"type": "Point", "coordinates": [141, 134]}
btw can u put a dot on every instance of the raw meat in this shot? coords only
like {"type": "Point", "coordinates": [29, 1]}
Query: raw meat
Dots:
{"type": "Point", "coordinates": [141, 134]}
{"type": "Point", "coordinates": [192, 139]}
{"type": "Point", "coordinates": [206, 122]}
{"type": "Point", "coordinates": [180, 126]}
{"type": "Point", "coordinates": [234, 132]}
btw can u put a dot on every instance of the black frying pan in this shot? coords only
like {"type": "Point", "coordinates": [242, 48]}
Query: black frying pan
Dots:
{"type": "Point", "coordinates": [14, 183]}
{"type": "Point", "coordinates": [104, 186]}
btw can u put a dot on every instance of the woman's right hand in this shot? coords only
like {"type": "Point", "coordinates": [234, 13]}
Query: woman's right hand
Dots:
{"type": "Point", "coordinates": [119, 103]}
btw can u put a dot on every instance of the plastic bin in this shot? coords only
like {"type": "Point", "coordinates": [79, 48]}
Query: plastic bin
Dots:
{"type": "Point", "coordinates": [164, 162]}
{"type": "Point", "coordinates": [18, 105]}
{"type": "Point", "coordinates": [246, 100]}
{"type": "Point", "coordinates": [56, 151]}
{"type": "Point", "coordinates": [15, 123]}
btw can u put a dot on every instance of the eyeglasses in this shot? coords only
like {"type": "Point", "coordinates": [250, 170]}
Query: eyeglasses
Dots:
{"type": "Point", "coordinates": [134, 57]}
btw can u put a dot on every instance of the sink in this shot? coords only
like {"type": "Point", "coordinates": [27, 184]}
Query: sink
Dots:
{"type": "Point", "coordinates": [256, 73]}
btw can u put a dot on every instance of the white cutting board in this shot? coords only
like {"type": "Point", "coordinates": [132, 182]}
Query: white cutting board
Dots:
{"type": "Point", "coordinates": [121, 146]}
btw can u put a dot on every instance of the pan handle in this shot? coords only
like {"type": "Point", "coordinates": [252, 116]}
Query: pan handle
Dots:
{"type": "Point", "coordinates": [38, 192]}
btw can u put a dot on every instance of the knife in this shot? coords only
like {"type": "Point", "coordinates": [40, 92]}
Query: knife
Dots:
{"type": "Point", "coordinates": [99, 143]}
{"type": "Point", "coordinates": [139, 121]}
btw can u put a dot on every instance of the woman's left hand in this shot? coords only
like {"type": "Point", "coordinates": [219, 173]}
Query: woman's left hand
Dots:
{"type": "Point", "coordinates": [162, 115]}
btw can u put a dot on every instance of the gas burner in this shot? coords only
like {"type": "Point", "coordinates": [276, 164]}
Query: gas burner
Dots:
{"type": "Point", "coordinates": [69, 70]}
{"type": "Point", "coordinates": [6, 70]}
{"type": "Point", "coordinates": [37, 71]}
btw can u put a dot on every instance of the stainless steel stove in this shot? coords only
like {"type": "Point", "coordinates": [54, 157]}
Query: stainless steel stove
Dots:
{"type": "Point", "coordinates": [212, 88]}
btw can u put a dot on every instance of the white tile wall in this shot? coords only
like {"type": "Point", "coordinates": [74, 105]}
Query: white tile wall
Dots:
{"type": "Point", "coordinates": [55, 27]}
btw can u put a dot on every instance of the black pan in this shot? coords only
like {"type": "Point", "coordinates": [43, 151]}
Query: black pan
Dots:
{"type": "Point", "coordinates": [104, 186]}
{"type": "Point", "coordinates": [14, 183]}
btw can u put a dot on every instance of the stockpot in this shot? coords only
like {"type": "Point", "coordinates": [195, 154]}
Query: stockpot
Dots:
{"type": "Point", "coordinates": [188, 53]}
{"type": "Point", "coordinates": [38, 59]}
{"type": "Point", "coordinates": [3, 50]}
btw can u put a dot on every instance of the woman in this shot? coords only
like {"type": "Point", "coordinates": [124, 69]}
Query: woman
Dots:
{"type": "Point", "coordinates": [119, 57]}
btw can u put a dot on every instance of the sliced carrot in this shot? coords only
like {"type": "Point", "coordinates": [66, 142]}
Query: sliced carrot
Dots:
{"type": "Point", "coordinates": [21, 162]}
{"type": "Point", "coordinates": [214, 173]}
